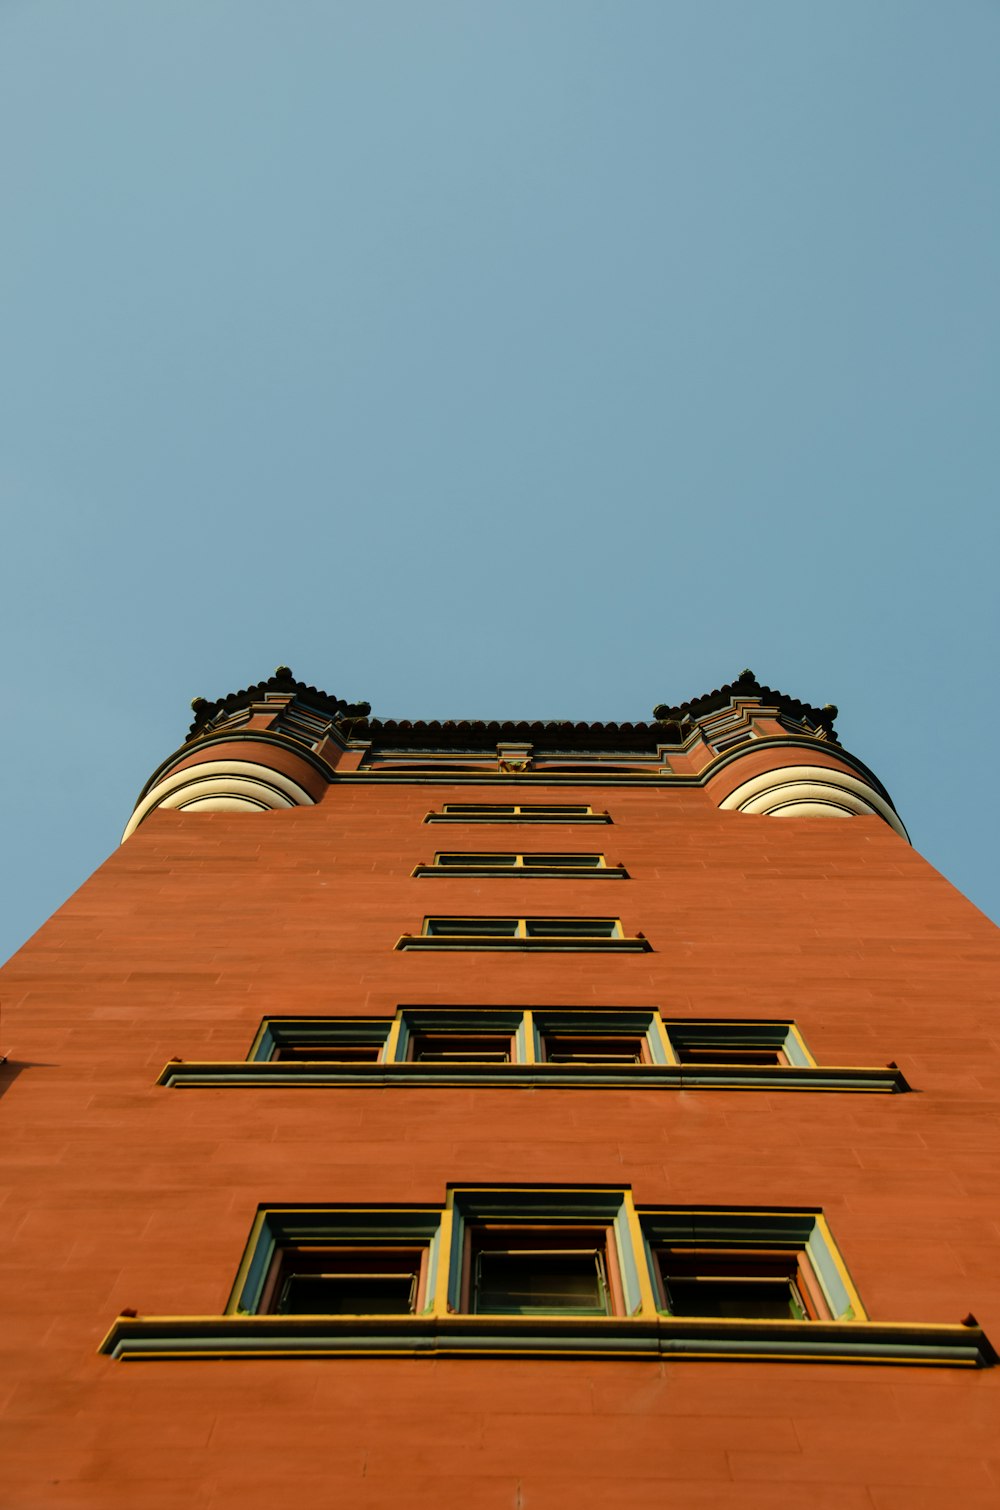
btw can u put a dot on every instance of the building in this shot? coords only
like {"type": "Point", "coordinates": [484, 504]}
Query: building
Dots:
{"type": "Point", "coordinates": [504, 1115]}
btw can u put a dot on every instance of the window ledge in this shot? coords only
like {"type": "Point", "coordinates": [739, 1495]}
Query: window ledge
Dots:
{"type": "Point", "coordinates": [491, 941]}
{"type": "Point", "coordinates": [144, 1338]}
{"type": "Point", "coordinates": [551, 872]}
{"type": "Point", "coordinates": [517, 818]}
{"type": "Point", "coordinates": [305, 1073]}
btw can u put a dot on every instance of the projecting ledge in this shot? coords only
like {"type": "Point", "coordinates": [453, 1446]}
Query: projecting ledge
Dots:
{"type": "Point", "coordinates": [480, 942]}
{"type": "Point", "coordinates": [305, 1074]}
{"type": "Point", "coordinates": [148, 1338]}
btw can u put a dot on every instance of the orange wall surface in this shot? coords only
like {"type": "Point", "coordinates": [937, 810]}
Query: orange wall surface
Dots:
{"type": "Point", "coordinates": [117, 1193]}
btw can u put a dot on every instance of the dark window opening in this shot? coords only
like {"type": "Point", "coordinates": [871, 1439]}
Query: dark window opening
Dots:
{"type": "Point", "coordinates": [479, 807]}
{"type": "Point", "coordinates": [526, 1281]}
{"type": "Point", "coordinates": [750, 1285]}
{"type": "Point", "coordinates": [554, 807]}
{"type": "Point", "coordinates": [722, 1053]}
{"type": "Point", "coordinates": [563, 862]}
{"type": "Point", "coordinates": [330, 1053]}
{"type": "Point", "coordinates": [602, 928]}
{"type": "Point", "coordinates": [344, 1282]}
{"type": "Point", "coordinates": [472, 927]}
{"type": "Point", "coordinates": [578, 1048]}
{"type": "Point", "coordinates": [498, 860]}
{"type": "Point", "coordinates": [476, 1048]}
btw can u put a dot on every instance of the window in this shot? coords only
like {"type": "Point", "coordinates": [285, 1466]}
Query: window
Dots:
{"type": "Point", "coordinates": [581, 1048]}
{"type": "Point", "coordinates": [462, 863]}
{"type": "Point", "coordinates": [529, 1271]}
{"type": "Point", "coordinates": [524, 1046]}
{"type": "Point", "coordinates": [523, 933]}
{"type": "Point", "coordinates": [737, 1042]}
{"type": "Point", "coordinates": [762, 1266]}
{"type": "Point", "coordinates": [314, 1281]}
{"type": "Point", "coordinates": [537, 1272]}
{"type": "Point", "coordinates": [517, 812]}
{"type": "Point", "coordinates": [465, 1048]}
{"type": "Point", "coordinates": [540, 1252]}
{"type": "Point", "coordinates": [337, 1040]}
{"type": "Point", "coordinates": [339, 1261]}
{"type": "Point", "coordinates": [737, 1282]}
{"type": "Point", "coordinates": [443, 1037]}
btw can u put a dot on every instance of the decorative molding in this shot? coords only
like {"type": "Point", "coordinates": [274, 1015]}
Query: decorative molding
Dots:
{"type": "Point", "coordinates": [221, 785]}
{"type": "Point", "coordinates": [810, 791]}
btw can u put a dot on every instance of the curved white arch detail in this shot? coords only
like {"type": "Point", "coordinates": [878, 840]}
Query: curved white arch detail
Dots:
{"type": "Point", "coordinates": [810, 791]}
{"type": "Point", "coordinates": [219, 804]}
{"type": "Point", "coordinates": [221, 786]}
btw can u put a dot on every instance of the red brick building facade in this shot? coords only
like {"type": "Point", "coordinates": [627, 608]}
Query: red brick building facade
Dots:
{"type": "Point", "coordinates": [504, 1115]}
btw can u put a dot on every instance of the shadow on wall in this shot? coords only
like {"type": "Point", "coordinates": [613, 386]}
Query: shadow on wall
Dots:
{"type": "Point", "coordinates": [10, 1069]}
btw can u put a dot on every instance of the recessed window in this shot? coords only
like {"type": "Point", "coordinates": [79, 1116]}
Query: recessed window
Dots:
{"type": "Point", "coordinates": [345, 1282]}
{"type": "Point", "coordinates": [563, 862]}
{"type": "Point", "coordinates": [538, 1253]}
{"type": "Point", "coordinates": [737, 1042]}
{"type": "Point", "coordinates": [538, 1272]}
{"type": "Point", "coordinates": [460, 1048]}
{"type": "Point", "coordinates": [472, 861]}
{"type": "Point", "coordinates": [472, 927]}
{"type": "Point", "coordinates": [712, 1054]}
{"type": "Point", "coordinates": [736, 1282]}
{"type": "Point", "coordinates": [326, 1040]}
{"type": "Point", "coordinates": [339, 1261]}
{"type": "Point", "coordinates": [753, 1266]}
{"type": "Point", "coordinates": [581, 1048]}
{"type": "Point", "coordinates": [581, 928]}
{"type": "Point", "coordinates": [481, 809]}
{"type": "Point", "coordinates": [333, 1053]}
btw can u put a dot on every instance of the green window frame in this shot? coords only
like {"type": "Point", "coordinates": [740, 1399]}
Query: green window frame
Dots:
{"type": "Point", "coordinates": [710, 1252]}
{"type": "Point", "coordinates": [737, 1041]}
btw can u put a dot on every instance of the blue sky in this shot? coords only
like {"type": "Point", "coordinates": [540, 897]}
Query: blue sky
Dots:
{"type": "Point", "coordinates": [514, 359]}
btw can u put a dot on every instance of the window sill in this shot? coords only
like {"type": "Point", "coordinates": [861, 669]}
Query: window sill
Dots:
{"type": "Point", "coordinates": [517, 818]}
{"type": "Point", "coordinates": [306, 1073]}
{"type": "Point", "coordinates": [551, 872]}
{"type": "Point", "coordinates": [145, 1338]}
{"type": "Point", "coordinates": [490, 941]}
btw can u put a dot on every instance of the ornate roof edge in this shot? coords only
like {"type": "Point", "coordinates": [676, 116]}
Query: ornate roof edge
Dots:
{"type": "Point", "coordinates": [747, 685]}
{"type": "Point", "coordinates": [669, 726]}
{"type": "Point", "coordinates": [283, 682]}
